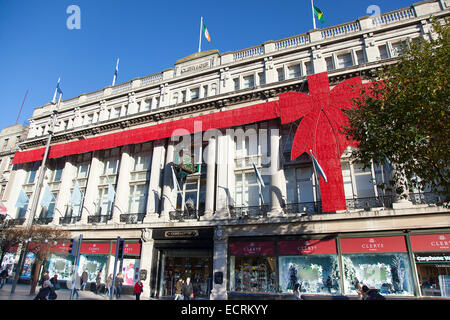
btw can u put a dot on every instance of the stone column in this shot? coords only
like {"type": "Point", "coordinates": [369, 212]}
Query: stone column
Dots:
{"type": "Point", "coordinates": [269, 70]}
{"type": "Point", "coordinates": [370, 48]}
{"type": "Point", "coordinates": [154, 189]}
{"type": "Point", "coordinates": [64, 194]}
{"type": "Point", "coordinates": [276, 196]}
{"type": "Point", "coordinates": [123, 186]}
{"type": "Point", "coordinates": [146, 260]}
{"type": "Point", "coordinates": [220, 256]}
{"type": "Point", "coordinates": [169, 198]}
{"type": "Point", "coordinates": [210, 177]}
{"type": "Point", "coordinates": [222, 190]}
{"type": "Point", "coordinates": [91, 192]}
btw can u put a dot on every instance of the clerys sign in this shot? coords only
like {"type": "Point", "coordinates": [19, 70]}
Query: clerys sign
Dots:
{"type": "Point", "coordinates": [303, 247]}
{"type": "Point", "coordinates": [373, 245]}
{"type": "Point", "coordinates": [431, 242]}
{"type": "Point", "coordinates": [252, 248]}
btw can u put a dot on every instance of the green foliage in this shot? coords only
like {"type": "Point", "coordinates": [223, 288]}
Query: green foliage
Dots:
{"type": "Point", "coordinates": [405, 117]}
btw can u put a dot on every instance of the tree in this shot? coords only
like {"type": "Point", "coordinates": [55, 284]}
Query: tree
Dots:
{"type": "Point", "coordinates": [43, 237]}
{"type": "Point", "coordinates": [404, 116]}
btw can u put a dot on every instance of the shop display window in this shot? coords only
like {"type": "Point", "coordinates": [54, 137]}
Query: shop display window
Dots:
{"type": "Point", "coordinates": [61, 265]}
{"type": "Point", "coordinates": [314, 273]}
{"type": "Point", "coordinates": [130, 271]}
{"type": "Point", "coordinates": [94, 264]}
{"type": "Point", "coordinates": [253, 274]}
{"type": "Point", "coordinates": [390, 273]}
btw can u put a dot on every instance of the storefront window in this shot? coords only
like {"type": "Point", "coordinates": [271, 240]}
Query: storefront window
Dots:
{"type": "Point", "coordinates": [253, 274]}
{"type": "Point", "coordinates": [380, 263]}
{"type": "Point", "coordinates": [311, 263]}
{"type": "Point", "coordinates": [432, 257]}
{"type": "Point", "coordinates": [253, 267]}
{"type": "Point", "coordinates": [61, 265]}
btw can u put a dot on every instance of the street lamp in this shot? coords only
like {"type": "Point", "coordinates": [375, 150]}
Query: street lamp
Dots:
{"type": "Point", "coordinates": [37, 190]}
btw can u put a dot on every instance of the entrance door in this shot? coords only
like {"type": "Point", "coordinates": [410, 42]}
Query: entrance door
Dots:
{"type": "Point", "coordinates": [185, 263]}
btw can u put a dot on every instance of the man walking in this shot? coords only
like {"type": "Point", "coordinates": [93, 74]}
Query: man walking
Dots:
{"type": "Point", "coordinates": [188, 290]}
{"type": "Point", "coordinates": [119, 283]}
{"type": "Point", "coordinates": [84, 279]}
{"type": "Point", "coordinates": [3, 277]}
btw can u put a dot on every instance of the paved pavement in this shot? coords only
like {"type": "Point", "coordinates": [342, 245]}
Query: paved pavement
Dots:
{"type": "Point", "coordinates": [22, 292]}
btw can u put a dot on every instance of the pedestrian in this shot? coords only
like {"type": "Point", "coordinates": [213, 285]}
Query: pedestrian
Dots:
{"type": "Point", "coordinates": [370, 294]}
{"type": "Point", "coordinates": [119, 283]}
{"type": "Point", "coordinates": [3, 277]}
{"type": "Point", "coordinates": [109, 283]}
{"type": "Point", "coordinates": [52, 294]}
{"type": "Point", "coordinates": [77, 285]}
{"type": "Point", "coordinates": [98, 281]}
{"type": "Point", "coordinates": [188, 291]}
{"type": "Point", "coordinates": [44, 291]}
{"type": "Point", "coordinates": [44, 277]}
{"type": "Point", "coordinates": [54, 281]}
{"type": "Point", "coordinates": [297, 292]}
{"type": "Point", "coordinates": [138, 288]}
{"type": "Point", "coordinates": [196, 286]}
{"type": "Point", "coordinates": [84, 279]}
{"type": "Point", "coordinates": [178, 289]}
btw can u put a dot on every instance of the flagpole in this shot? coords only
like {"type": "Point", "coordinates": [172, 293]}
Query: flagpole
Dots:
{"type": "Point", "coordinates": [200, 38]}
{"type": "Point", "coordinates": [314, 19]}
{"type": "Point", "coordinates": [115, 72]}
{"type": "Point", "coordinates": [56, 91]}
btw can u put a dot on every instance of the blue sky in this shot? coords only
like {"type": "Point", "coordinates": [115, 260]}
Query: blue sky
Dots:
{"type": "Point", "coordinates": [36, 47]}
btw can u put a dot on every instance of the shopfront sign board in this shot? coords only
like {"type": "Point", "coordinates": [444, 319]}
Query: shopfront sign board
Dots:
{"type": "Point", "coordinates": [430, 242]}
{"type": "Point", "coordinates": [95, 248]}
{"type": "Point", "coordinates": [373, 244]}
{"type": "Point", "coordinates": [129, 248]}
{"type": "Point", "coordinates": [303, 247]}
{"type": "Point", "coordinates": [252, 248]}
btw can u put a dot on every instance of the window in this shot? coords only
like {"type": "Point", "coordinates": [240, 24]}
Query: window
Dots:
{"type": "Point", "coordinates": [138, 198]}
{"type": "Point", "coordinates": [195, 93]}
{"type": "Point", "coordinates": [383, 52]}
{"type": "Point", "coordinates": [280, 72]}
{"type": "Point", "coordinates": [301, 189]}
{"type": "Point", "coordinates": [183, 96]}
{"type": "Point", "coordinates": [309, 67]}
{"type": "Point", "coordinates": [205, 91]}
{"type": "Point", "coordinates": [344, 60]}
{"type": "Point", "coordinates": [115, 112]}
{"type": "Point", "coordinates": [262, 78]}
{"type": "Point", "coordinates": [294, 71]}
{"type": "Point", "coordinates": [360, 57]}
{"type": "Point", "coordinates": [89, 118]}
{"type": "Point", "coordinates": [236, 84]}
{"type": "Point", "coordinates": [145, 106]}
{"type": "Point", "coordinates": [5, 144]}
{"type": "Point", "coordinates": [248, 82]}
{"type": "Point", "coordinates": [330, 63]}
{"type": "Point", "coordinates": [58, 169]}
{"type": "Point", "coordinates": [399, 47]}
{"type": "Point", "coordinates": [32, 173]}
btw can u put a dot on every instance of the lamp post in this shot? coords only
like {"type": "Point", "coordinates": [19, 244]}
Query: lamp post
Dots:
{"type": "Point", "coordinates": [37, 193]}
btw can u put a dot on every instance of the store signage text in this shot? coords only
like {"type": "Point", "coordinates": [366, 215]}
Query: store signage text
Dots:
{"type": "Point", "coordinates": [373, 244]}
{"type": "Point", "coordinates": [181, 234]}
{"type": "Point", "coordinates": [432, 259]}
{"type": "Point", "coordinates": [317, 246]}
{"type": "Point", "coordinates": [252, 248]}
{"type": "Point", "coordinates": [431, 242]}
{"type": "Point", "coordinates": [195, 67]}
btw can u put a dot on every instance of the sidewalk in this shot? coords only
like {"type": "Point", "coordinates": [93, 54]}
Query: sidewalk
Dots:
{"type": "Point", "coordinates": [22, 292]}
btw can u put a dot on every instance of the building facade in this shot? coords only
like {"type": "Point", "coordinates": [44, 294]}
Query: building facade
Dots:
{"type": "Point", "coordinates": [221, 116]}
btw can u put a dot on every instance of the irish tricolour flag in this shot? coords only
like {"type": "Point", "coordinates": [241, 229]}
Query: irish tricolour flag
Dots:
{"type": "Point", "coordinates": [206, 33]}
{"type": "Point", "coordinates": [319, 14]}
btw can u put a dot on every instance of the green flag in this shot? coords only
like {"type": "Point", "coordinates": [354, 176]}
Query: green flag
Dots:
{"type": "Point", "coordinates": [319, 14]}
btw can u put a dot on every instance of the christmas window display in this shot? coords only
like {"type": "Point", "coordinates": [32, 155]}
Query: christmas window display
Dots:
{"type": "Point", "coordinates": [390, 273]}
{"type": "Point", "coordinates": [253, 274]}
{"type": "Point", "coordinates": [61, 266]}
{"type": "Point", "coordinates": [94, 264]}
{"type": "Point", "coordinates": [314, 273]}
